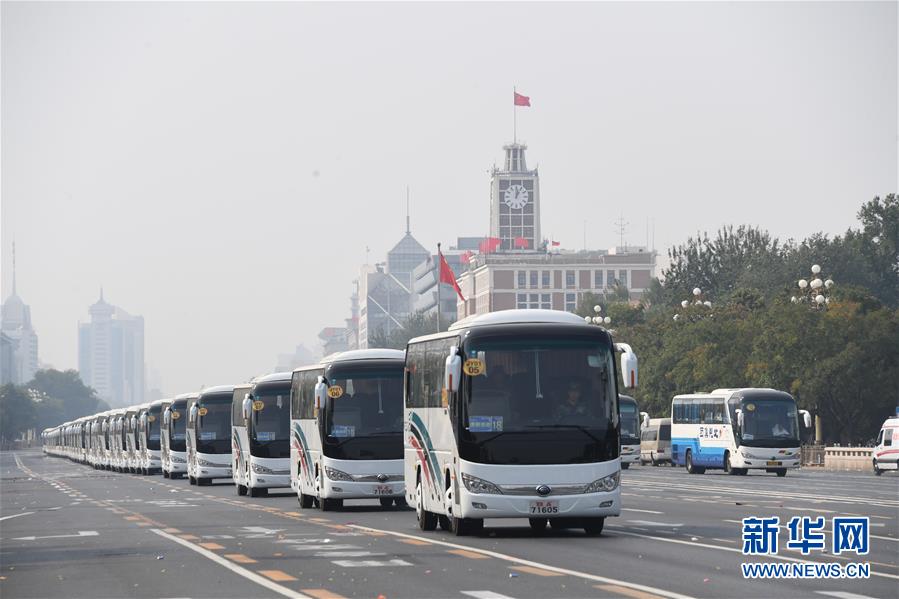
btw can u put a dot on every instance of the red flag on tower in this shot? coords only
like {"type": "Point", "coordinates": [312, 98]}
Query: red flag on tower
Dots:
{"type": "Point", "coordinates": [447, 276]}
{"type": "Point", "coordinates": [521, 100]}
{"type": "Point", "coordinates": [489, 245]}
{"type": "Point", "coordinates": [521, 242]}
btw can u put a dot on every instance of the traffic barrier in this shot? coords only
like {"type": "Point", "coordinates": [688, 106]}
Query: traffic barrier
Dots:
{"type": "Point", "coordinates": [857, 459]}
{"type": "Point", "coordinates": [812, 455]}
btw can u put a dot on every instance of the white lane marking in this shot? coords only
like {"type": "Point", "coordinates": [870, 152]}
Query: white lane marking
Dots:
{"type": "Point", "coordinates": [631, 509]}
{"type": "Point", "coordinates": [525, 562]}
{"type": "Point", "coordinates": [252, 576]}
{"type": "Point", "coordinates": [15, 516]}
{"type": "Point", "coordinates": [369, 563]}
{"type": "Point", "coordinates": [81, 533]}
{"type": "Point", "coordinates": [731, 549]}
{"type": "Point", "coordinates": [348, 554]}
{"type": "Point", "coordinates": [652, 523]}
{"type": "Point", "coordinates": [485, 595]}
{"type": "Point", "coordinates": [843, 595]}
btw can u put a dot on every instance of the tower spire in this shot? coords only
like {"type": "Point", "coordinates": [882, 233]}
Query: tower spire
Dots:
{"type": "Point", "coordinates": [408, 228]}
{"type": "Point", "coordinates": [13, 267]}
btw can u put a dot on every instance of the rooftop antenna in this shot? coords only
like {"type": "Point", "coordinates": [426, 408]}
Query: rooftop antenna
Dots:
{"type": "Point", "coordinates": [408, 228]}
{"type": "Point", "coordinates": [621, 228]}
{"type": "Point", "coordinates": [13, 267]}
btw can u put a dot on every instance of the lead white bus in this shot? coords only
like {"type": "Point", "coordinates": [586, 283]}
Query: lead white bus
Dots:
{"type": "Point", "coordinates": [209, 435]}
{"type": "Point", "coordinates": [737, 430]}
{"type": "Point", "coordinates": [347, 429]}
{"type": "Point", "coordinates": [260, 434]}
{"type": "Point", "coordinates": [174, 436]}
{"type": "Point", "coordinates": [149, 436]}
{"type": "Point", "coordinates": [514, 414]}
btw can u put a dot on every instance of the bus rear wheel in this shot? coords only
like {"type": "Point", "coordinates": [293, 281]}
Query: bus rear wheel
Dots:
{"type": "Point", "coordinates": [727, 466]}
{"type": "Point", "coordinates": [191, 479]}
{"type": "Point", "coordinates": [691, 468]}
{"type": "Point", "coordinates": [241, 490]}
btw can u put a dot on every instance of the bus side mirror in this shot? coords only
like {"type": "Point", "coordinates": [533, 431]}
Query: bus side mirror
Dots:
{"type": "Point", "coordinates": [246, 407]}
{"type": "Point", "coordinates": [806, 418]}
{"type": "Point", "coordinates": [628, 365]}
{"type": "Point", "coordinates": [645, 417]}
{"type": "Point", "coordinates": [167, 416]}
{"type": "Point", "coordinates": [321, 392]}
{"type": "Point", "coordinates": [739, 418]}
{"type": "Point", "coordinates": [452, 371]}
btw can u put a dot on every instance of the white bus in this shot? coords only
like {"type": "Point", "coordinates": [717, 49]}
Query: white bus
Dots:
{"type": "Point", "coordinates": [148, 437]}
{"type": "Point", "coordinates": [736, 430]}
{"type": "Point", "coordinates": [174, 436]}
{"type": "Point", "coordinates": [209, 435]}
{"type": "Point", "coordinates": [886, 449]}
{"type": "Point", "coordinates": [630, 430]}
{"type": "Point", "coordinates": [260, 434]}
{"type": "Point", "coordinates": [347, 429]}
{"type": "Point", "coordinates": [514, 414]}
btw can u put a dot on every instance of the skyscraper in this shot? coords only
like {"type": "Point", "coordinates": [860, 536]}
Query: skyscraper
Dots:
{"type": "Point", "coordinates": [111, 354]}
{"type": "Point", "coordinates": [19, 347]}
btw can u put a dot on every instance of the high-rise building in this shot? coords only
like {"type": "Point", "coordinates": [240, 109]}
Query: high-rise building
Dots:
{"type": "Point", "coordinates": [18, 352]}
{"type": "Point", "coordinates": [111, 354]}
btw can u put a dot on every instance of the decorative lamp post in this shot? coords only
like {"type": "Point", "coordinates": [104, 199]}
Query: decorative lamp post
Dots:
{"type": "Point", "coordinates": [697, 301]}
{"type": "Point", "coordinates": [598, 319]}
{"type": "Point", "coordinates": [814, 293]}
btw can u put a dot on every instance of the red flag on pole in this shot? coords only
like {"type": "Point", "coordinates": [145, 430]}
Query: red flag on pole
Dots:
{"type": "Point", "coordinates": [466, 257]}
{"type": "Point", "coordinates": [556, 243]}
{"type": "Point", "coordinates": [447, 276]}
{"type": "Point", "coordinates": [521, 242]}
{"type": "Point", "coordinates": [489, 245]}
{"type": "Point", "coordinates": [522, 100]}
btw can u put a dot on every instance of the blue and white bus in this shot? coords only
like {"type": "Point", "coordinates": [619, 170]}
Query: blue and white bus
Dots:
{"type": "Point", "coordinates": [736, 430]}
{"type": "Point", "coordinates": [514, 414]}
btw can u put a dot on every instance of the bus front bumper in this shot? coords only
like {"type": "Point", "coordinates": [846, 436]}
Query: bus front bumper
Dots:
{"type": "Point", "coordinates": [755, 459]}
{"type": "Point", "coordinates": [340, 489]}
{"type": "Point", "coordinates": [592, 505]}
{"type": "Point", "coordinates": [269, 481]}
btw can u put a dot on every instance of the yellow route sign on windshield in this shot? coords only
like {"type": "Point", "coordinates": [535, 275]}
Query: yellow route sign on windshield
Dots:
{"type": "Point", "coordinates": [258, 405]}
{"type": "Point", "coordinates": [474, 367]}
{"type": "Point", "coordinates": [335, 391]}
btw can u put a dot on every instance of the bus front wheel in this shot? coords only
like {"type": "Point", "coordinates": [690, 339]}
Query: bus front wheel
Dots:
{"type": "Point", "coordinates": [538, 525]}
{"type": "Point", "coordinates": [241, 490]}
{"type": "Point", "coordinates": [728, 468]}
{"type": "Point", "coordinates": [306, 501]}
{"type": "Point", "coordinates": [593, 526]}
{"type": "Point", "coordinates": [877, 471]}
{"type": "Point", "coordinates": [781, 472]}
{"type": "Point", "coordinates": [426, 520]}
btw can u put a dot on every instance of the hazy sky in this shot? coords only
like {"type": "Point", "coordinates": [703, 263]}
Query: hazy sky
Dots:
{"type": "Point", "coordinates": [220, 168]}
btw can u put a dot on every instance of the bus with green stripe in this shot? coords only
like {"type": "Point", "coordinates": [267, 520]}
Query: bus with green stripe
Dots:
{"type": "Point", "coordinates": [514, 414]}
{"type": "Point", "coordinates": [347, 429]}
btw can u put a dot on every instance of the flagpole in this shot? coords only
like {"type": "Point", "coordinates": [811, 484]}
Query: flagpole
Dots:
{"type": "Point", "coordinates": [514, 117]}
{"type": "Point", "coordinates": [439, 265]}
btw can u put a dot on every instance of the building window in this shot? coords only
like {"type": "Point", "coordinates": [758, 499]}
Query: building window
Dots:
{"type": "Point", "coordinates": [597, 279]}
{"type": "Point", "coordinates": [570, 302]}
{"type": "Point", "coordinates": [569, 279]}
{"type": "Point", "coordinates": [533, 302]}
{"type": "Point", "coordinates": [522, 279]}
{"type": "Point", "coordinates": [622, 277]}
{"type": "Point", "coordinates": [534, 275]}
{"type": "Point", "coordinates": [546, 301]}
{"type": "Point", "coordinates": [522, 301]}
{"type": "Point", "coordinates": [610, 278]}
{"type": "Point", "coordinates": [546, 283]}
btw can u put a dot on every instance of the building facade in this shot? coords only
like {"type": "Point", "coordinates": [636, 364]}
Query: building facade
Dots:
{"type": "Point", "coordinates": [111, 354]}
{"type": "Point", "coordinates": [515, 203]}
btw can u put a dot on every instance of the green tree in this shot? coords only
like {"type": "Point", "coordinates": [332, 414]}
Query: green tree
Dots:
{"type": "Point", "coordinates": [76, 398]}
{"type": "Point", "coordinates": [17, 413]}
{"type": "Point", "coordinates": [417, 324]}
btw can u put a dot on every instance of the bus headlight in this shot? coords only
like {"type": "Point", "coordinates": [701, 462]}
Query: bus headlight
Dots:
{"type": "Point", "coordinates": [335, 474]}
{"type": "Point", "coordinates": [479, 485]}
{"type": "Point", "coordinates": [260, 469]}
{"type": "Point", "coordinates": [606, 484]}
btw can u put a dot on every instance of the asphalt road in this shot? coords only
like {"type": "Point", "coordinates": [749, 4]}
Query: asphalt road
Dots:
{"type": "Point", "coordinates": [67, 530]}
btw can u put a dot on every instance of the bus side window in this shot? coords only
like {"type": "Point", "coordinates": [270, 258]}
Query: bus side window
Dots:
{"type": "Point", "coordinates": [887, 437]}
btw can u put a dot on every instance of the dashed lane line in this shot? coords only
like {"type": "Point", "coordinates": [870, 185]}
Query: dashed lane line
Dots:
{"type": "Point", "coordinates": [239, 570]}
{"type": "Point", "coordinates": [624, 592]}
{"type": "Point", "coordinates": [468, 554]}
{"type": "Point", "coordinates": [485, 595]}
{"type": "Point", "coordinates": [15, 516]}
{"type": "Point", "coordinates": [523, 562]}
{"type": "Point", "coordinates": [843, 595]}
{"type": "Point", "coordinates": [536, 571]}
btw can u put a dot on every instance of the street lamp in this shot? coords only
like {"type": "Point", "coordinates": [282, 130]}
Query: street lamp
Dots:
{"type": "Point", "coordinates": [815, 293]}
{"type": "Point", "coordinates": [697, 301]}
{"type": "Point", "coordinates": [598, 319]}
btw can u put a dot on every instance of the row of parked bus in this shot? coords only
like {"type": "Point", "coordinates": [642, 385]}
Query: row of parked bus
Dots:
{"type": "Point", "coordinates": [513, 414]}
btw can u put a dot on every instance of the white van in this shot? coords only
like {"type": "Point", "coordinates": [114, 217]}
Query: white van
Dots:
{"type": "Point", "coordinates": [886, 452]}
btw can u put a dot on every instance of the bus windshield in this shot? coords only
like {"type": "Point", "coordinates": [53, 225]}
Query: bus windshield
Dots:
{"type": "Point", "coordinates": [270, 429]}
{"type": "Point", "coordinates": [769, 422]}
{"type": "Point", "coordinates": [214, 426]}
{"type": "Point", "coordinates": [153, 417]}
{"type": "Point", "coordinates": [178, 426]}
{"type": "Point", "coordinates": [542, 400]}
{"type": "Point", "coordinates": [366, 421]}
{"type": "Point", "coordinates": [630, 423]}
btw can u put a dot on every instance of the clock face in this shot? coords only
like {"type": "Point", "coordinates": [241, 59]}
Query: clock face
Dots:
{"type": "Point", "coordinates": [516, 197]}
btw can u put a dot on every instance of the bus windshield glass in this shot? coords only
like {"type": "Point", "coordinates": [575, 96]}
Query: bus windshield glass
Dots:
{"type": "Point", "coordinates": [365, 422]}
{"type": "Point", "coordinates": [541, 400]}
{"type": "Point", "coordinates": [153, 422]}
{"type": "Point", "coordinates": [769, 422]}
{"type": "Point", "coordinates": [270, 430]}
{"type": "Point", "coordinates": [178, 426]}
{"type": "Point", "coordinates": [629, 422]}
{"type": "Point", "coordinates": [214, 426]}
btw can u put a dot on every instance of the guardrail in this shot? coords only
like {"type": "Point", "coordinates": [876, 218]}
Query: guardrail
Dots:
{"type": "Point", "coordinates": [812, 455]}
{"type": "Point", "coordinates": [857, 459]}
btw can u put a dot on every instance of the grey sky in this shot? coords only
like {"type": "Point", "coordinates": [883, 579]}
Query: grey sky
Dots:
{"type": "Point", "coordinates": [169, 151]}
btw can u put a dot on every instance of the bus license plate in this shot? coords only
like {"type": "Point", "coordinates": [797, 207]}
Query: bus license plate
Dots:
{"type": "Point", "coordinates": [383, 490]}
{"type": "Point", "coordinates": [544, 507]}
{"type": "Point", "coordinates": [772, 463]}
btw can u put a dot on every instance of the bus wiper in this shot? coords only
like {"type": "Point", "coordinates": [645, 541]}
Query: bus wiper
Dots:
{"type": "Point", "coordinates": [579, 427]}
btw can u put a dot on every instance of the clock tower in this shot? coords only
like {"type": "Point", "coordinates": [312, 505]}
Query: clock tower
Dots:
{"type": "Point", "coordinates": [515, 203]}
